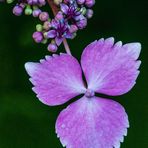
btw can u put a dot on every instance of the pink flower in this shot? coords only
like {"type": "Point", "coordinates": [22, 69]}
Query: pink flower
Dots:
{"type": "Point", "coordinates": [90, 122]}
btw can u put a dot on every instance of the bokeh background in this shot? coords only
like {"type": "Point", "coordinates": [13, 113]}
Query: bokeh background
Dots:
{"type": "Point", "coordinates": [27, 123]}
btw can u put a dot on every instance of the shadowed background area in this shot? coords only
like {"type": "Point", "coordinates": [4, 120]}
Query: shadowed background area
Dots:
{"type": "Point", "coordinates": [27, 123]}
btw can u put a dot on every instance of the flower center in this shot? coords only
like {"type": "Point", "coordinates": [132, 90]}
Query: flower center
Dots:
{"type": "Point", "coordinates": [61, 29]}
{"type": "Point", "coordinates": [89, 93]}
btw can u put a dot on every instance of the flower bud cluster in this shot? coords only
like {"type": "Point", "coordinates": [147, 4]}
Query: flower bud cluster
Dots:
{"type": "Point", "coordinates": [72, 16]}
{"type": "Point", "coordinates": [29, 7]}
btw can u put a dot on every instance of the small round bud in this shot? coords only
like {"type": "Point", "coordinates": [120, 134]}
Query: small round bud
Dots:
{"type": "Point", "coordinates": [44, 16]}
{"type": "Point", "coordinates": [17, 10]}
{"type": "Point", "coordinates": [36, 12]}
{"type": "Point", "coordinates": [8, 1]}
{"type": "Point", "coordinates": [74, 35]}
{"type": "Point", "coordinates": [39, 27]}
{"type": "Point", "coordinates": [89, 13]}
{"type": "Point", "coordinates": [34, 2]}
{"type": "Point", "coordinates": [22, 5]}
{"type": "Point", "coordinates": [73, 28]}
{"type": "Point", "coordinates": [45, 34]}
{"type": "Point", "coordinates": [44, 41]}
{"type": "Point", "coordinates": [47, 25]}
{"type": "Point", "coordinates": [30, 2]}
{"type": "Point", "coordinates": [52, 47]}
{"type": "Point", "coordinates": [80, 2]}
{"type": "Point", "coordinates": [28, 10]}
{"type": "Point", "coordinates": [82, 23]}
{"type": "Point", "coordinates": [89, 3]}
{"type": "Point", "coordinates": [38, 37]}
{"type": "Point", "coordinates": [59, 15]}
{"type": "Point", "coordinates": [42, 2]}
{"type": "Point", "coordinates": [83, 10]}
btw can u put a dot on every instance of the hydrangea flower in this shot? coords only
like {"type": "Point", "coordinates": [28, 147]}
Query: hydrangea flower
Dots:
{"type": "Point", "coordinates": [70, 11]}
{"type": "Point", "coordinates": [74, 15]}
{"type": "Point", "coordinates": [59, 32]}
{"type": "Point", "coordinates": [90, 122]}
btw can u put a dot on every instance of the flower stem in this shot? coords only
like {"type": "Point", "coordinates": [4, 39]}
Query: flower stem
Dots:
{"type": "Point", "coordinates": [55, 10]}
{"type": "Point", "coordinates": [66, 47]}
{"type": "Point", "coordinates": [53, 7]}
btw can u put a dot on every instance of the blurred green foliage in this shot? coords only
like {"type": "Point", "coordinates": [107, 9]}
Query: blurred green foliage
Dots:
{"type": "Point", "coordinates": [27, 123]}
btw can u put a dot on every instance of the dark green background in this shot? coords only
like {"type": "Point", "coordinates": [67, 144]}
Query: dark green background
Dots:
{"type": "Point", "coordinates": [27, 123]}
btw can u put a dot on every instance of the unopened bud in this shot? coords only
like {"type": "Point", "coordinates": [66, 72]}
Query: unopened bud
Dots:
{"type": "Point", "coordinates": [28, 10]}
{"type": "Point", "coordinates": [39, 27]}
{"type": "Point", "coordinates": [52, 47]}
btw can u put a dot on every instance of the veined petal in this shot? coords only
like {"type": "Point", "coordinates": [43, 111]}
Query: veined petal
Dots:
{"type": "Point", "coordinates": [56, 79]}
{"type": "Point", "coordinates": [92, 123]}
{"type": "Point", "coordinates": [58, 40]}
{"type": "Point", "coordinates": [111, 68]}
{"type": "Point", "coordinates": [51, 34]}
{"type": "Point", "coordinates": [69, 35]}
{"type": "Point", "coordinates": [64, 8]}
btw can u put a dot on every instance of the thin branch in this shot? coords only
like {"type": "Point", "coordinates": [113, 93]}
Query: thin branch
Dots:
{"type": "Point", "coordinates": [53, 6]}
{"type": "Point", "coordinates": [66, 47]}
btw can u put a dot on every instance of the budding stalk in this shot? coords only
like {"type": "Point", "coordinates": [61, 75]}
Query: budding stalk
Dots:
{"type": "Point", "coordinates": [69, 17]}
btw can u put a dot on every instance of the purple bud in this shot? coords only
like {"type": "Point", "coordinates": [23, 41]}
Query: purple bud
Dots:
{"type": "Point", "coordinates": [17, 10]}
{"type": "Point", "coordinates": [89, 13]}
{"type": "Point", "coordinates": [73, 28]}
{"type": "Point", "coordinates": [52, 47]}
{"type": "Point", "coordinates": [44, 16]}
{"type": "Point", "coordinates": [47, 25]}
{"type": "Point", "coordinates": [42, 2]}
{"type": "Point", "coordinates": [59, 15]}
{"type": "Point", "coordinates": [89, 3]}
{"type": "Point", "coordinates": [38, 37]}
{"type": "Point", "coordinates": [80, 2]}
{"type": "Point", "coordinates": [35, 2]}
{"type": "Point", "coordinates": [82, 23]}
{"type": "Point", "coordinates": [36, 12]}
{"type": "Point", "coordinates": [22, 5]}
{"type": "Point", "coordinates": [30, 2]}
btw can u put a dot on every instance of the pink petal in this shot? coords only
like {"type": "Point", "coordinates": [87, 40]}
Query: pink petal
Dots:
{"type": "Point", "coordinates": [51, 34]}
{"type": "Point", "coordinates": [58, 40]}
{"type": "Point", "coordinates": [64, 8]}
{"type": "Point", "coordinates": [92, 123]}
{"type": "Point", "coordinates": [111, 68]}
{"type": "Point", "coordinates": [56, 79]}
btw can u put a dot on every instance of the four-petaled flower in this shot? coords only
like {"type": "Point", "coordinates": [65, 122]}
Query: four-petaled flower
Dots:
{"type": "Point", "coordinates": [60, 31]}
{"type": "Point", "coordinates": [90, 122]}
{"type": "Point", "coordinates": [70, 11]}
{"type": "Point", "coordinates": [74, 15]}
